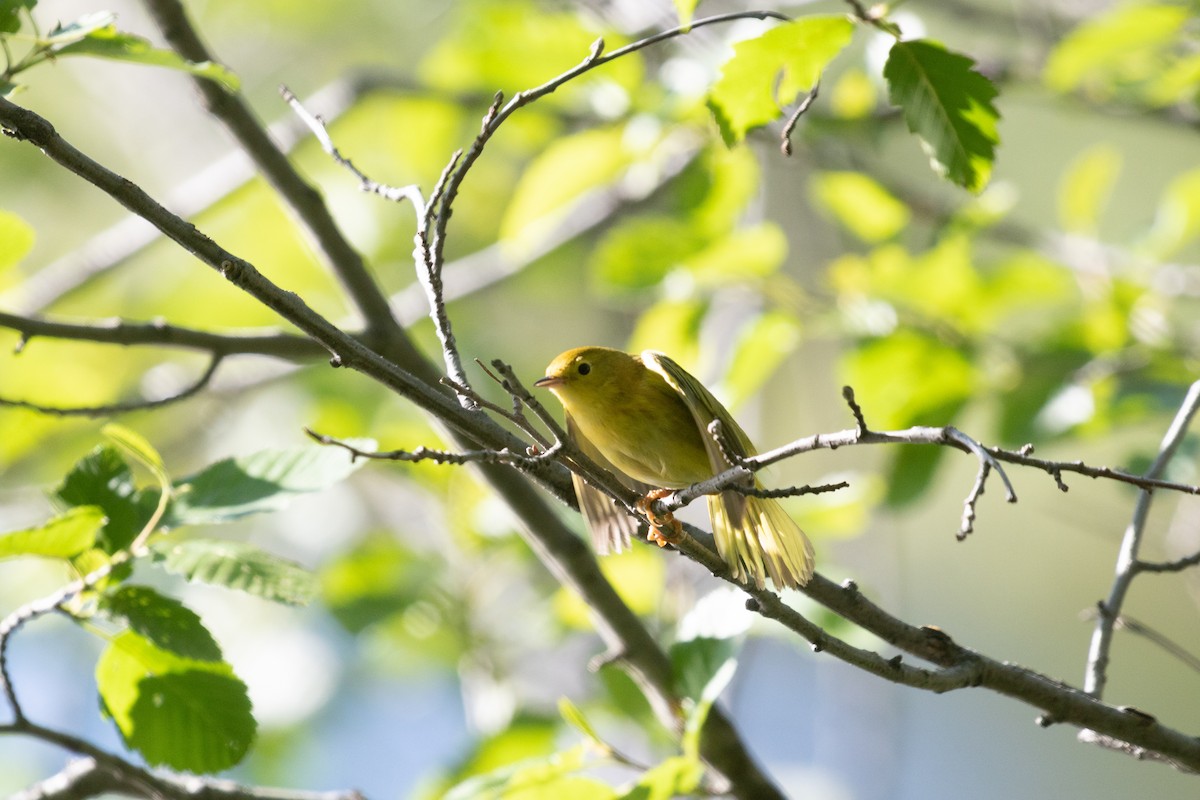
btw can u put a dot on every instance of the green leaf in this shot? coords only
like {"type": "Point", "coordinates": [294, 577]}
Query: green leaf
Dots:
{"type": "Point", "coordinates": [10, 14]}
{"type": "Point", "coordinates": [102, 478]}
{"type": "Point", "coordinates": [1086, 187]}
{"type": "Point", "coordinates": [948, 105]}
{"type": "Point", "coordinates": [751, 252]}
{"type": "Point", "coordinates": [136, 445]}
{"type": "Point", "coordinates": [377, 579]}
{"type": "Point", "coordinates": [574, 716]}
{"type": "Point", "coordinates": [16, 239]}
{"type": "Point", "coordinates": [697, 662]}
{"type": "Point", "coordinates": [108, 42]}
{"type": "Point", "coordinates": [1177, 220]}
{"type": "Point", "coordinates": [547, 778]}
{"type": "Point", "coordinates": [685, 9]}
{"type": "Point", "coordinates": [677, 776]}
{"type": "Point", "coordinates": [761, 347]}
{"type": "Point", "coordinates": [860, 204]}
{"type": "Point", "coordinates": [909, 378]}
{"type": "Point", "coordinates": [639, 252]}
{"type": "Point", "coordinates": [237, 565]}
{"type": "Point", "coordinates": [672, 326]}
{"type": "Point", "coordinates": [65, 536]}
{"type": "Point", "coordinates": [910, 473]}
{"type": "Point", "coordinates": [163, 621]}
{"type": "Point", "coordinates": [178, 712]}
{"type": "Point", "coordinates": [563, 172]}
{"type": "Point", "coordinates": [265, 481]}
{"type": "Point", "coordinates": [768, 72]}
{"type": "Point", "coordinates": [1115, 48]}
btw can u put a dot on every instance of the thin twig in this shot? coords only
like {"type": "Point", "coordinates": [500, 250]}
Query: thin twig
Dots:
{"type": "Point", "coordinates": [112, 409]}
{"type": "Point", "coordinates": [785, 137]}
{"type": "Point", "coordinates": [316, 125]}
{"type": "Point", "coordinates": [1096, 673]}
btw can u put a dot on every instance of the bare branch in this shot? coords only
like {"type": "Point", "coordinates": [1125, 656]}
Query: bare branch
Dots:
{"type": "Point", "coordinates": [785, 137]}
{"type": "Point", "coordinates": [120, 408]}
{"type": "Point", "coordinates": [1096, 674]}
{"type": "Point", "coordinates": [316, 125]}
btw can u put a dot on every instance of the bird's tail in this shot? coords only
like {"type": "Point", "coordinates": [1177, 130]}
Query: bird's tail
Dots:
{"type": "Point", "coordinates": [758, 539]}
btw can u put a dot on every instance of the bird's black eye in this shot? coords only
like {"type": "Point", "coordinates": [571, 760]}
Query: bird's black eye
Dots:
{"type": "Point", "coordinates": [584, 368]}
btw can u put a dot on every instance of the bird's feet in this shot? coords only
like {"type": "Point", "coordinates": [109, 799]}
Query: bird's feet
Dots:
{"type": "Point", "coordinates": [664, 529]}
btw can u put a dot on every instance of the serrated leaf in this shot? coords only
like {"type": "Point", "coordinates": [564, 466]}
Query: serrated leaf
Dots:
{"type": "Point", "coordinates": [948, 105]}
{"type": "Point", "coordinates": [163, 621]}
{"type": "Point", "coordinates": [102, 478]}
{"type": "Point", "coordinates": [237, 565]}
{"type": "Point", "coordinates": [16, 239]}
{"type": "Point", "coordinates": [108, 42]}
{"type": "Point", "coordinates": [178, 712]}
{"type": "Point", "coordinates": [265, 481]}
{"type": "Point", "coordinates": [769, 72]}
{"type": "Point", "coordinates": [65, 536]}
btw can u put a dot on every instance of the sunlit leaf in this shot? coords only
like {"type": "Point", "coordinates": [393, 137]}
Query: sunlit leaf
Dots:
{"type": "Point", "coordinates": [575, 717]}
{"type": "Point", "coordinates": [1177, 221]}
{"type": "Point", "coordinates": [761, 347]}
{"type": "Point", "coordinates": [186, 714]}
{"type": "Point", "coordinates": [564, 171]}
{"type": "Point", "coordinates": [108, 42]}
{"type": "Point", "coordinates": [264, 481]}
{"type": "Point", "coordinates": [751, 252]}
{"type": "Point", "coordinates": [237, 565]}
{"type": "Point", "coordinates": [65, 536]}
{"type": "Point", "coordinates": [380, 577]}
{"type": "Point", "coordinates": [637, 575]}
{"type": "Point", "coordinates": [853, 95]}
{"type": "Point", "coordinates": [547, 778]}
{"type": "Point", "coordinates": [909, 378]}
{"type": "Point", "coordinates": [685, 9]}
{"type": "Point", "coordinates": [1086, 186]}
{"type": "Point", "coordinates": [948, 105]}
{"type": "Point", "coordinates": [136, 445]}
{"type": "Point", "coordinates": [1117, 47]}
{"type": "Point", "coordinates": [670, 326]}
{"type": "Point", "coordinates": [16, 239]}
{"type": "Point", "coordinates": [163, 621]}
{"type": "Point", "coordinates": [639, 252]}
{"type": "Point", "coordinates": [860, 204]}
{"type": "Point", "coordinates": [677, 776]}
{"type": "Point", "coordinates": [769, 72]}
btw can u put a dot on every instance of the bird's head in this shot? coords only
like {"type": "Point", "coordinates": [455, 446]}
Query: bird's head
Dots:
{"type": "Point", "coordinates": [588, 375]}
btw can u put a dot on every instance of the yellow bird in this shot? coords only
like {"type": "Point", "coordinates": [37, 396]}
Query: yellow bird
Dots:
{"type": "Point", "coordinates": [645, 419]}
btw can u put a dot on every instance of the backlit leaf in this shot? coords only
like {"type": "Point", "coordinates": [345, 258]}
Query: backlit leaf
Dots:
{"type": "Point", "coordinates": [1086, 187]}
{"type": "Point", "coordinates": [102, 478]}
{"type": "Point", "coordinates": [182, 713]}
{"type": "Point", "coordinates": [860, 204]}
{"type": "Point", "coordinates": [768, 72]}
{"type": "Point", "coordinates": [761, 347]}
{"type": "Point", "coordinates": [67, 535]}
{"type": "Point", "coordinates": [16, 238]}
{"type": "Point", "coordinates": [108, 42]}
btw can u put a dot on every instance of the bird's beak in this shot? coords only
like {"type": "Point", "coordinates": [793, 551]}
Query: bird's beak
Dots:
{"type": "Point", "coordinates": [548, 382]}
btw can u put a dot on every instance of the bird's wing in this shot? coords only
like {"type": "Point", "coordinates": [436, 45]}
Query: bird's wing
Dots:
{"type": "Point", "coordinates": [610, 525]}
{"type": "Point", "coordinates": [704, 407]}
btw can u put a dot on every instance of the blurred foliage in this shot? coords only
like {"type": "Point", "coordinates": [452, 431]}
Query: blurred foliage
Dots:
{"type": "Point", "coordinates": [935, 304]}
